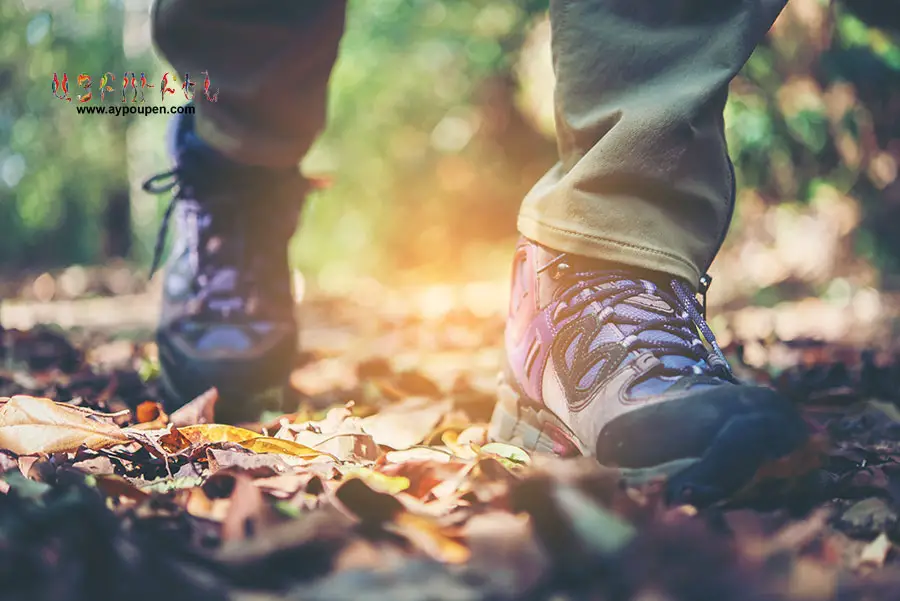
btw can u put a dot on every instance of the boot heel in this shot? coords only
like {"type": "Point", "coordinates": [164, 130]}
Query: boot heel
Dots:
{"type": "Point", "coordinates": [527, 426]}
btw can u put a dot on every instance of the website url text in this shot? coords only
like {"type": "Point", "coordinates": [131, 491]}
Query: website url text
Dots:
{"type": "Point", "coordinates": [134, 110]}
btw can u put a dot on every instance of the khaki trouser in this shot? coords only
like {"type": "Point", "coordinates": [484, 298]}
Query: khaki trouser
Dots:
{"type": "Point", "coordinates": [643, 177]}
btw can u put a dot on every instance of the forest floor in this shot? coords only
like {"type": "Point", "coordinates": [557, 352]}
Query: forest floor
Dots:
{"type": "Point", "coordinates": [381, 484]}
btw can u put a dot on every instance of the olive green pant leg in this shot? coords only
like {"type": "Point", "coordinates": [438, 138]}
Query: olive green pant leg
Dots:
{"type": "Point", "coordinates": [270, 61]}
{"type": "Point", "coordinates": [644, 178]}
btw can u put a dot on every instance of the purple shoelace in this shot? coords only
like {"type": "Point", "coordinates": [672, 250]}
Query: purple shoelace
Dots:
{"type": "Point", "coordinates": [603, 292]}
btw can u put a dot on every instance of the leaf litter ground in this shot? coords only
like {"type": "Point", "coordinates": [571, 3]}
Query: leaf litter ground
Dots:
{"type": "Point", "coordinates": [382, 484]}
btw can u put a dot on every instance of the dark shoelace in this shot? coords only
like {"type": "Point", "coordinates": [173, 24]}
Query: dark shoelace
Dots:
{"type": "Point", "coordinates": [221, 295]}
{"type": "Point", "coordinates": [610, 288]}
{"type": "Point", "coordinates": [160, 184]}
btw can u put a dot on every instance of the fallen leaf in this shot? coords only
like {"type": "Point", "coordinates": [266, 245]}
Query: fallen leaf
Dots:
{"type": "Point", "coordinates": [350, 446]}
{"type": "Point", "coordinates": [378, 481]}
{"type": "Point", "coordinates": [148, 411]}
{"type": "Point", "coordinates": [340, 435]}
{"type": "Point", "coordinates": [267, 444]}
{"type": "Point", "coordinates": [200, 505]}
{"type": "Point", "coordinates": [95, 466]}
{"type": "Point", "coordinates": [416, 454]}
{"type": "Point", "coordinates": [118, 487]}
{"type": "Point", "coordinates": [450, 438]}
{"type": "Point", "coordinates": [31, 425]}
{"type": "Point", "coordinates": [359, 499]}
{"type": "Point", "coordinates": [7, 461]}
{"type": "Point", "coordinates": [284, 486]}
{"type": "Point", "coordinates": [425, 534]}
{"type": "Point", "coordinates": [507, 451]}
{"type": "Point", "coordinates": [876, 552]}
{"type": "Point", "coordinates": [199, 411]}
{"type": "Point", "coordinates": [161, 443]}
{"type": "Point", "coordinates": [174, 441]}
{"type": "Point", "coordinates": [247, 512]}
{"type": "Point", "coordinates": [503, 546]}
{"type": "Point", "coordinates": [210, 433]}
{"type": "Point", "coordinates": [220, 459]}
{"type": "Point", "coordinates": [473, 435]}
{"type": "Point", "coordinates": [407, 423]}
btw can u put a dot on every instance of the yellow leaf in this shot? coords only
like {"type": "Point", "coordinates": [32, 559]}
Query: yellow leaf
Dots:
{"type": "Point", "coordinates": [266, 444]}
{"type": "Point", "coordinates": [30, 425]}
{"type": "Point", "coordinates": [450, 438]}
{"type": "Point", "coordinates": [208, 433]}
{"type": "Point", "coordinates": [378, 481]}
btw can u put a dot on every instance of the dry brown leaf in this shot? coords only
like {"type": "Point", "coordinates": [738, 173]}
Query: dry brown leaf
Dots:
{"type": "Point", "coordinates": [118, 487]}
{"type": "Point", "coordinates": [148, 411]}
{"type": "Point", "coordinates": [231, 498]}
{"type": "Point", "coordinates": [7, 461]}
{"type": "Point", "coordinates": [357, 499]}
{"type": "Point", "coordinates": [25, 465]}
{"type": "Point", "coordinates": [95, 466]}
{"type": "Point", "coordinates": [173, 441]}
{"type": "Point", "coordinates": [407, 423]}
{"type": "Point", "coordinates": [201, 506]}
{"type": "Point", "coordinates": [31, 425]}
{"type": "Point", "coordinates": [477, 434]}
{"type": "Point", "coordinates": [425, 534]}
{"type": "Point", "coordinates": [265, 465]}
{"type": "Point", "coordinates": [161, 443]}
{"type": "Point", "coordinates": [438, 508]}
{"type": "Point", "coordinates": [199, 411]}
{"type": "Point", "coordinates": [345, 446]}
{"type": "Point", "coordinates": [340, 435]}
{"type": "Point", "coordinates": [283, 486]}
{"type": "Point", "coordinates": [417, 454]}
{"type": "Point", "coordinates": [337, 420]}
{"type": "Point", "coordinates": [453, 485]}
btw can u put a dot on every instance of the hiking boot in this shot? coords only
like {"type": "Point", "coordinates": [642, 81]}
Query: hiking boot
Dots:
{"type": "Point", "coordinates": [610, 363]}
{"type": "Point", "coordinates": [227, 317]}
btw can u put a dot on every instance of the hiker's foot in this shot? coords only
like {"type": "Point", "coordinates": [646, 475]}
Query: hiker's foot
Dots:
{"type": "Point", "coordinates": [228, 310]}
{"type": "Point", "coordinates": [609, 363]}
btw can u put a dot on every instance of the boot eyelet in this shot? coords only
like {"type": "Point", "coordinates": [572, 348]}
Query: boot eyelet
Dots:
{"type": "Point", "coordinates": [560, 270]}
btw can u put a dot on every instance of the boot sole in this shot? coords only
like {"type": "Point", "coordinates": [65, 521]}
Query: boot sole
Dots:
{"type": "Point", "coordinates": [746, 449]}
{"type": "Point", "coordinates": [234, 405]}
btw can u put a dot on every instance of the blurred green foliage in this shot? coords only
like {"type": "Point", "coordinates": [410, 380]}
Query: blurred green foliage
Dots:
{"type": "Point", "coordinates": [57, 169]}
{"type": "Point", "coordinates": [428, 145]}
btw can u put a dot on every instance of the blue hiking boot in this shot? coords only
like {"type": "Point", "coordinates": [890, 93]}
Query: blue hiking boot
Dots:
{"type": "Point", "coordinates": [611, 363]}
{"type": "Point", "coordinates": [228, 309]}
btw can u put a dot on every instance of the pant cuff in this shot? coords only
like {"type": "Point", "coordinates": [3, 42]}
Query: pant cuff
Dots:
{"type": "Point", "coordinates": [564, 238]}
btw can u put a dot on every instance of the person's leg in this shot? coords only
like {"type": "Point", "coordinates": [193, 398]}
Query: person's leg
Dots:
{"type": "Point", "coordinates": [270, 61]}
{"type": "Point", "coordinates": [227, 315]}
{"type": "Point", "coordinates": [603, 341]}
{"type": "Point", "coordinates": [644, 177]}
